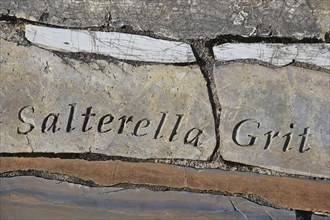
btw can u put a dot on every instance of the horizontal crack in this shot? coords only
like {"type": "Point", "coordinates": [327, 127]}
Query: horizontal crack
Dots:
{"type": "Point", "coordinates": [269, 65]}
{"type": "Point", "coordinates": [197, 164]}
{"type": "Point", "coordinates": [69, 179]}
{"type": "Point", "coordinates": [209, 42]}
{"type": "Point", "coordinates": [104, 28]}
{"type": "Point", "coordinates": [228, 38]}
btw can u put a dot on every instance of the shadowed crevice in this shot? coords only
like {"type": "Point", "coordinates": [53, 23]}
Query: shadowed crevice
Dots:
{"type": "Point", "coordinates": [205, 61]}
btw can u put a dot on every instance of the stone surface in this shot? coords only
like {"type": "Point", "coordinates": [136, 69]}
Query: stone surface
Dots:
{"type": "Point", "coordinates": [36, 198]}
{"type": "Point", "coordinates": [49, 104]}
{"type": "Point", "coordinates": [118, 45]}
{"type": "Point", "coordinates": [275, 54]}
{"type": "Point", "coordinates": [258, 102]}
{"type": "Point", "coordinates": [252, 211]}
{"type": "Point", "coordinates": [148, 173]}
{"type": "Point", "coordinates": [284, 192]}
{"type": "Point", "coordinates": [293, 193]}
{"type": "Point", "coordinates": [106, 173]}
{"type": "Point", "coordinates": [182, 19]}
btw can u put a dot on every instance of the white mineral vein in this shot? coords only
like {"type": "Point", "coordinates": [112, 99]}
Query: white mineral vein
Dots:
{"type": "Point", "coordinates": [277, 54]}
{"type": "Point", "coordinates": [118, 45]}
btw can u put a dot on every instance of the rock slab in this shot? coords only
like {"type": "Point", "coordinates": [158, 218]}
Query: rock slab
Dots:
{"type": "Point", "coordinates": [36, 198]}
{"type": "Point", "coordinates": [285, 192]}
{"type": "Point", "coordinates": [182, 19]}
{"type": "Point", "coordinates": [275, 118]}
{"type": "Point", "coordinates": [50, 104]}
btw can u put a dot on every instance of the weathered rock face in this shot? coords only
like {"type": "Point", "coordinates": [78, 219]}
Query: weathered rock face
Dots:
{"type": "Point", "coordinates": [34, 198]}
{"type": "Point", "coordinates": [54, 105]}
{"type": "Point", "coordinates": [183, 19]}
{"type": "Point", "coordinates": [275, 118]}
{"type": "Point", "coordinates": [285, 192]}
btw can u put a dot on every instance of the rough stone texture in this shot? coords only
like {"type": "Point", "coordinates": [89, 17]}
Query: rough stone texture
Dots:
{"type": "Point", "coordinates": [251, 211]}
{"type": "Point", "coordinates": [148, 173]}
{"type": "Point", "coordinates": [118, 45]}
{"type": "Point", "coordinates": [13, 32]}
{"type": "Point", "coordinates": [275, 54]}
{"type": "Point", "coordinates": [107, 173]}
{"type": "Point", "coordinates": [35, 198]}
{"type": "Point", "coordinates": [277, 99]}
{"type": "Point", "coordinates": [300, 194]}
{"type": "Point", "coordinates": [183, 19]}
{"type": "Point", "coordinates": [157, 111]}
{"type": "Point", "coordinates": [285, 192]}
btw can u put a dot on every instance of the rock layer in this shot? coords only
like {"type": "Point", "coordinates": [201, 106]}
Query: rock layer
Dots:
{"type": "Point", "coordinates": [183, 19]}
{"type": "Point", "coordinates": [59, 105]}
{"type": "Point", "coordinates": [36, 198]}
{"type": "Point", "coordinates": [293, 193]}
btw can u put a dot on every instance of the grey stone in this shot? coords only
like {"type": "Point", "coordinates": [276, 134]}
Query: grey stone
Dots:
{"type": "Point", "coordinates": [275, 118]}
{"type": "Point", "coordinates": [183, 19]}
{"type": "Point", "coordinates": [49, 104]}
{"type": "Point", "coordinates": [36, 198]}
{"type": "Point", "coordinates": [254, 211]}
